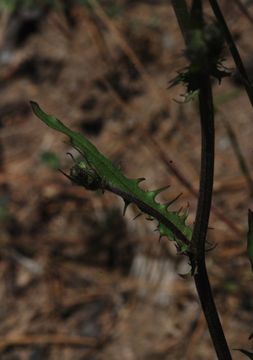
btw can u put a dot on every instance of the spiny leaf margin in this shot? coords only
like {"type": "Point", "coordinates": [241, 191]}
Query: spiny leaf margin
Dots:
{"type": "Point", "coordinates": [112, 175]}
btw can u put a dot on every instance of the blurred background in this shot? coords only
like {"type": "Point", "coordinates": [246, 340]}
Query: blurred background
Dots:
{"type": "Point", "coordinates": [79, 280]}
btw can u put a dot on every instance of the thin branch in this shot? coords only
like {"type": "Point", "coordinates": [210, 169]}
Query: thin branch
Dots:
{"type": "Point", "coordinates": [244, 10]}
{"type": "Point", "coordinates": [188, 185]}
{"type": "Point", "coordinates": [233, 49]}
{"type": "Point", "coordinates": [239, 155]}
{"type": "Point", "coordinates": [182, 15]}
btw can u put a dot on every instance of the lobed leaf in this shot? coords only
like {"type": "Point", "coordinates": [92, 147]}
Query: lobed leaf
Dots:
{"type": "Point", "coordinates": [128, 189]}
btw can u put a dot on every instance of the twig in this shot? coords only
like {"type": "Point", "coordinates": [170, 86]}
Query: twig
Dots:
{"type": "Point", "coordinates": [239, 155]}
{"type": "Point", "coordinates": [244, 10]}
{"type": "Point", "coordinates": [187, 184]}
{"type": "Point", "coordinates": [233, 49]}
{"type": "Point", "coordinates": [182, 15]}
{"type": "Point", "coordinates": [194, 335]}
{"type": "Point", "coordinates": [156, 91]}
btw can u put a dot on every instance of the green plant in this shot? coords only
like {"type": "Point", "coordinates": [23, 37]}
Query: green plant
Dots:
{"type": "Point", "coordinates": [204, 45]}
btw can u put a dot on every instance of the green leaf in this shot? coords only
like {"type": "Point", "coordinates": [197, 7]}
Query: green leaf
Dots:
{"type": "Point", "coordinates": [247, 353]}
{"type": "Point", "coordinates": [250, 238]}
{"type": "Point", "coordinates": [170, 223]}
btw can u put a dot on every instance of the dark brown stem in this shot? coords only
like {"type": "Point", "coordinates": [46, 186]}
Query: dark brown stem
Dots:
{"type": "Point", "coordinates": [129, 198]}
{"type": "Point", "coordinates": [233, 49]}
{"type": "Point", "coordinates": [202, 218]}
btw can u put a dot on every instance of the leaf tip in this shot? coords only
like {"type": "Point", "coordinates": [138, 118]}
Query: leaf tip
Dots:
{"type": "Point", "coordinates": [34, 105]}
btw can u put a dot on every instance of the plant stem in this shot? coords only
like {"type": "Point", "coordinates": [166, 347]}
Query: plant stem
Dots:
{"type": "Point", "coordinates": [202, 218]}
{"type": "Point", "coordinates": [182, 15]}
{"type": "Point", "coordinates": [197, 256]}
{"type": "Point", "coordinates": [233, 49]}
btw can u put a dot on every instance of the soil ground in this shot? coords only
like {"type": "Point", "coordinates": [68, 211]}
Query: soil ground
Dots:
{"type": "Point", "coordinates": [78, 280]}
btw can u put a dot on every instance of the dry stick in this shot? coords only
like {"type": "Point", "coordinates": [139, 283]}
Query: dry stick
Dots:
{"type": "Point", "coordinates": [233, 49]}
{"type": "Point", "coordinates": [195, 333]}
{"type": "Point", "coordinates": [238, 153]}
{"type": "Point", "coordinates": [244, 10]}
{"type": "Point", "coordinates": [156, 91]}
{"type": "Point", "coordinates": [187, 184]}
